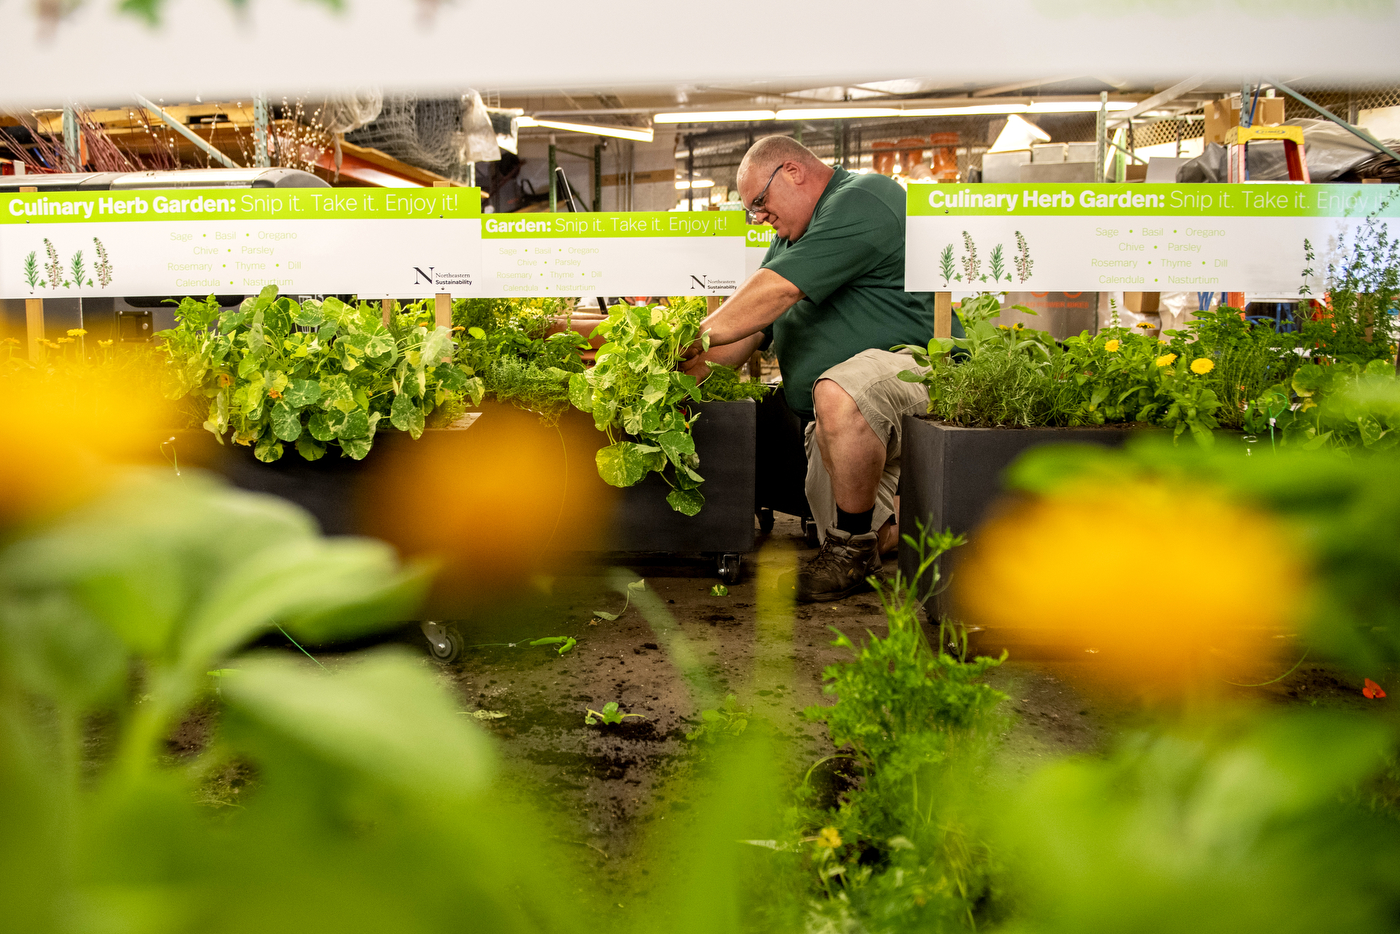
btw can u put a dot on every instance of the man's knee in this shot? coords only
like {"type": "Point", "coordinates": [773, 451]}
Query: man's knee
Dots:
{"type": "Point", "coordinates": [834, 407]}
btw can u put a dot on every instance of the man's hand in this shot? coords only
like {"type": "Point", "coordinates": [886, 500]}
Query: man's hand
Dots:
{"type": "Point", "coordinates": [696, 367]}
{"type": "Point", "coordinates": [733, 354]}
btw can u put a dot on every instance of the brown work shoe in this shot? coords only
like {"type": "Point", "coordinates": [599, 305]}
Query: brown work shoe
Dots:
{"type": "Point", "coordinates": [841, 568]}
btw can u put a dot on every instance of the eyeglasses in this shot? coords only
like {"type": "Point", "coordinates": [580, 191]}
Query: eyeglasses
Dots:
{"type": "Point", "coordinates": [757, 206]}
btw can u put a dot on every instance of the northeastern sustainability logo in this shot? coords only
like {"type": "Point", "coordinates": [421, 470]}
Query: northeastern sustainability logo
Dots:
{"type": "Point", "coordinates": [430, 276]}
{"type": "Point", "coordinates": [703, 283]}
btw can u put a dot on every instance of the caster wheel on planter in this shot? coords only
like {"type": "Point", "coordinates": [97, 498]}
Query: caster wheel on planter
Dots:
{"type": "Point", "coordinates": [765, 520]}
{"type": "Point", "coordinates": [728, 566]}
{"type": "Point", "coordinates": [444, 644]}
{"type": "Point", "coordinates": [809, 531]}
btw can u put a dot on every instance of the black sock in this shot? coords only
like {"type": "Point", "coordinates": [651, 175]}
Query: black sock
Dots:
{"type": "Point", "coordinates": [856, 523]}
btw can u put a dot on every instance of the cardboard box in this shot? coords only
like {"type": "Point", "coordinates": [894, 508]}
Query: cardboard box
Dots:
{"type": "Point", "coordinates": [1222, 115]}
{"type": "Point", "coordinates": [1142, 303]}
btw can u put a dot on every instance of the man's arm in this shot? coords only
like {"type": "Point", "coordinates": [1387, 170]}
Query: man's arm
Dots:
{"type": "Point", "coordinates": [756, 304]}
{"type": "Point", "coordinates": [723, 354]}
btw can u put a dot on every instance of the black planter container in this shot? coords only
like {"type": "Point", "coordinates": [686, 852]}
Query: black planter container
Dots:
{"type": "Point", "coordinates": [343, 497]}
{"type": "Point", "coordinates": [950, 476]}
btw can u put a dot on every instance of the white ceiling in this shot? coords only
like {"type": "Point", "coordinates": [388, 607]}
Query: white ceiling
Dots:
{"type": "Point", "coordinates": [822, 50]}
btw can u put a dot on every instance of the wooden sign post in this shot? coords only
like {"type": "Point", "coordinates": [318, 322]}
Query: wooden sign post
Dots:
{"type": "Point", "coordinates": [34, 318]}
{"type": "Point", "coordinates": [942, 314]}
{"type": "Point", "coordinates": [442, 301]}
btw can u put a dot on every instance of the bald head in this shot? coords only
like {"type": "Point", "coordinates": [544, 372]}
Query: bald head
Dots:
{"type": "Point", "coordinates": [780, 181]}
{"type": "Point", "coordinates": [775, 150]}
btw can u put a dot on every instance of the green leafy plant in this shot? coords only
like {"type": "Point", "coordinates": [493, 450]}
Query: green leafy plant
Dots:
{"type": "Point", "coordinates": [610, 715]}
{"type": "Point", "coordinates": [635, 587]}
{"type": "Point", "coordinates": [565, 643]}
{"type": "Point", "coordinates": [638, 397]}
{"type": "Point", "coordinates": [728, 719]}
{"type": "Point", "coordinates": [918, 721]}
{"type": "Point", "coordinates": [314, 374]}
{"type": "Point", "coordinates": [1000, 376]}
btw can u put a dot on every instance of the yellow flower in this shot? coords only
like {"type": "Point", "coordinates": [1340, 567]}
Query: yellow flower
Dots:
{"type": "Point", "coordinates": [1111, 346]}
{"type": "Point", "coordinates": [65, 340]}
{"type": "Point", "coordinates": [77, 332]}
{"type": "Point", "coordinates": [104, 343]}
{"type": "Point", "coordinates": [1145, 325]}
{"type": "Point", "coordinates": [829, 838]}
{"type": "Point", "coordinates": [1166, 359]}
{"type": "Point", "coordinates": [1014, 580]}
{"type": "Point", "coordinates": [1202, 365]}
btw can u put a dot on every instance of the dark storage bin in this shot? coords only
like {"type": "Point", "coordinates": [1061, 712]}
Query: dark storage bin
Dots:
{"type": "Point", "coordinates": [950, 476]}
{"type": "Point", "coordinates": [350, 497]}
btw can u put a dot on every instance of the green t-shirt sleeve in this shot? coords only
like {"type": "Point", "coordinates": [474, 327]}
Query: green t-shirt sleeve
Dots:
{"type": "Point", "coordinates": [855, 233]}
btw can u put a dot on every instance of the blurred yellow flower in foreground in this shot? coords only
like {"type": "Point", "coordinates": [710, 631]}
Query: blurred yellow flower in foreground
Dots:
{"type": "Point", "coordinates": [1065, 569]}
{"type": "Point", "coordinates": [1111, 346]}
{"type": "Point", "coordinates": [1202, 365]}
{"type": "Point", "coordinates": [77, 332]}
{"type": "Point", "coordinates": [1166, 359]}
{"type": "Point", "coordinates": [829, 838]}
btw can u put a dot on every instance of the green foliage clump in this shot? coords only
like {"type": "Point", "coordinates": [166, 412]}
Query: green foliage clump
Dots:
{"type": "Point", "coordinates": [905, 850]}
{"type": "Point", "coordinates": [637, 395]}
{"type": "Point", "coordinates": [316, 373]}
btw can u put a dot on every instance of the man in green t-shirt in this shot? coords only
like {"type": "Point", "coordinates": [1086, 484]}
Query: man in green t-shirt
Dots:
{"type": "Point", "coordinates": [830, 298]}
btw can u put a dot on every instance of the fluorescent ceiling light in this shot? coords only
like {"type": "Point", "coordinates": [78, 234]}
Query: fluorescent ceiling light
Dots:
{"type": "Point", "coordinates": [1076, 107]}
{"type": "Point", "coordinates": [714, 116]}
{"type": "Point", "coordinates": [969, 111]}
{"type": "Point", "coordinates": [698, 183]}
{"type": "Point", "coordinates": [837, 113]}
{"type": "Point", "coordinates": [620, 132]}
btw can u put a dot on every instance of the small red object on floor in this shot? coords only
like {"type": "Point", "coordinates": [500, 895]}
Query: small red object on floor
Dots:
{"type": "Point", "coordinates": [1372, 690]}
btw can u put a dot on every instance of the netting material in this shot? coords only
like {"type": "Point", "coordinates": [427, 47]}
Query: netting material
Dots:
{"type": "Point", "coordinates": [443, 135]}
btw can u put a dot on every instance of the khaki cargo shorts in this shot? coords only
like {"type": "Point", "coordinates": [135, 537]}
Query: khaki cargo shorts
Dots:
{"type": "Point", "coordinates": [871, 378]}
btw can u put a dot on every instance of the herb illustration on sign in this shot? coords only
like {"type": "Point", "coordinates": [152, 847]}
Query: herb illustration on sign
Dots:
{"type": "Point", "coordinates": [998, 261]}
{"type": "Point", "coordinates": [31, 271]}
{"type": "Point", "coordinates": [945, 264]}
{"type": "Point", "coordinates": [103, 266]}
{"type": "Point", "coordinates": [54, 267]}
{"type": "Point", "coordinates": [972, 266]}
{"type": "Point", "coordinates": [79, 271]}
{"type": "Point", "coordinates": [1022, 259]}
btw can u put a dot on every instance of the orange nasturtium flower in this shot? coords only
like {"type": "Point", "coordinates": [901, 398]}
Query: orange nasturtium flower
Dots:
{"type": "Point", "coordinates": [225, 379]}
{"type": "Point", "coordinates": [1111, 346]}
{"type": "Point", "coordinates": [1166, 359]}
{"type": "Point", "coordinates": [1372, 690]}
{"type": "Point", "coordinates": [1202, 365]}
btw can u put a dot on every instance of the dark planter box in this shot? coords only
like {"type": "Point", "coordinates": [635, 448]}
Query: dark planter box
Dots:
{"type": "Point", "coordinates": [725, 439]}
{"type": "Point", "coordinates": [565, 502]}
{"type": "Point", "coordinates": [950, 476]}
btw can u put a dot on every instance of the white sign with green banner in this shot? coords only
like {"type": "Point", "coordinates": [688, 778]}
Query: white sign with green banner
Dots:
{"type": "Point", "coordinates": [1134, 237]}
{"type": "Point", "coordinates": [757, 239]}
{"type": "Point", "coordinates": [638, 253]}
{"type": "Point", "coordinates": [368, 241]}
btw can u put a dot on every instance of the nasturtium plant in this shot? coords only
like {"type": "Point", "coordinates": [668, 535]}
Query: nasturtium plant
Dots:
{"type": "Point", "coordinates": [635, 393]}
{"type": "Point", "coordinates": [276, 372]}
